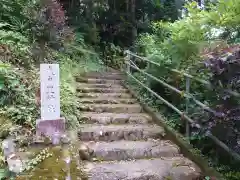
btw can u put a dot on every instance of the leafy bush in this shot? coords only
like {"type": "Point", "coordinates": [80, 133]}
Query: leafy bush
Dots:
{"type": "Point", "coordinates": [17, 95]}
{"type": "Point", "coordinates": [184, 39]}
{"type": "Point", "coordinates": [14, 14]}
{"type": "Point", "coordinates": [224, 77]}
{"type": "Point", "coordinates": [184, 45]}
{"type": "Point", "coordinates": [49, 23]}
{"type": "Point", "coordinates": [45, 39]}
{"type": "Point", "coordinates": [112, 55]}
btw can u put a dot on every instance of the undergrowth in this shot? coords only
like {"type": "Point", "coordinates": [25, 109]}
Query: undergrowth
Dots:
{"type": "Point", "coordinates": [31, 33]}
{"type": "Point", "coordinates": [203, 43]}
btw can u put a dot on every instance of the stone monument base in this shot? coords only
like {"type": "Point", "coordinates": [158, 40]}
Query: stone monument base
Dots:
{"type": "Point", "coordinates": [50, 127]}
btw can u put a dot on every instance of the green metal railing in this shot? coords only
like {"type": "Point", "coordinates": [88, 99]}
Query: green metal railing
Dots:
{"type": "Point", "coordinates": [186, 94]}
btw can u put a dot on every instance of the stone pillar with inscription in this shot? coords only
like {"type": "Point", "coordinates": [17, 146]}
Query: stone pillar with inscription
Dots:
{"type": "Point", "coordinates": [50, 124]}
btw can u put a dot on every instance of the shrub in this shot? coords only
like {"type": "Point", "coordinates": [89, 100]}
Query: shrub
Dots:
{"type": "Point", "coordinates": [184, 44]}
{"type": "Point", "coordinates": [225, 77]}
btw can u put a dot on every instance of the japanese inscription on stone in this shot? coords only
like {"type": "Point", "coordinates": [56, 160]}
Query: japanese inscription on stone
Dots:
{"type": "Point", "coordinates": [50, 92]}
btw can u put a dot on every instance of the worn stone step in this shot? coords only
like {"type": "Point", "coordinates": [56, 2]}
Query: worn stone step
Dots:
{"type": "Point", "coordinates": [116, 108]}
{"type": "Point", "coordinates": [115, 118]}
{"type": "Point", "coordinates": [176, 168]}
{"type": "Point", "coordinates": [126, 150]}
{"type": "Point", "coordinates": [98, 81]}
{"type": "Point", "coordinates": [101, 90]}
{"type": "Point", "coordinates": [107, 100]}
{"type": "Point", "coordinates": [111, 70]}
{"type": "Point", "coordinates": [104, 95]}
{"type": "Point", "coordinates": [79, 85]}
{"type": "Point", "coordinates": [111, 76]}
{"type": "Point", "coordinates": [95, 132]}
{"type": "Point", "coordinates": [105, 73]}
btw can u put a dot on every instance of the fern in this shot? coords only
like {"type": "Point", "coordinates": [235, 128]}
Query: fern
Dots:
{"type": "Point", "coordinates": [6, 36]}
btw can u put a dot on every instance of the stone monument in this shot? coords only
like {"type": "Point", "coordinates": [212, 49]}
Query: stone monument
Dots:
{"type": "Point", "coordinates": [51, 124]}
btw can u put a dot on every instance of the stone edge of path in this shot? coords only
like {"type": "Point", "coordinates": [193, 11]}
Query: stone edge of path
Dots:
{"type": "Point", "coordinates": [186, 148]}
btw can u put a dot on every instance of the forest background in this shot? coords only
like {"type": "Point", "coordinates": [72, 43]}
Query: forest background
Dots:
{"type": "Point", "coordinates": [87, 35]}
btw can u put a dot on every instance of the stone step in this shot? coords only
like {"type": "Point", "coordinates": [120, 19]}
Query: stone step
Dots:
{"type": "Point", "coordinates": [111, 76]}
{"type": "Point", "coordinates": [104, 95]}
{"type": "Point", "coordinates": [101, 90]}
{"type": "Point", "coordinates": [111, 70]}
{"type": "Point", "coordinates": [175, 168]}
{"type": "Point", "coordinates": [105, 73]}
{"type": "Point", "coordinates": [107, 100]}
{"type": "Point", "coordinates": [115, 118]}
{"type": "Point", "coordinates": [98, 81]}
{"type": "Point", "coordinates": [126, 150]}
{"type": "Point", "coordinates": [95, 132]}
{"type": "Point", "coordinates": [79, 85]}
{"type": "Point", "coordinates": [116, 108]}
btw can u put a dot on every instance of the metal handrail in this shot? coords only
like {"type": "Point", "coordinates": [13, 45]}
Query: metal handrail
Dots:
{"type": "Point", "coordinates": [187, 95]}
{"type": "Point", "coordinates": [182, 114]}
{"type": "Point", "coordinates": [204, 82]}
{"type": "Point", "coordinates": [182, 93]}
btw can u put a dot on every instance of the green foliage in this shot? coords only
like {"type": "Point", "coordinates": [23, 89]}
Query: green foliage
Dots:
{"type": "Point", "coordinates": [17, 95]}
{"type": "Point", "coordinates": [19, 87]}
{"type": "Point", "coordinates": [23, 48]}
{"type": "Point", "coordinates": [13, 13]}
{"type": "Point", "coordinates": [112, 56]}
{"type": "Point", "coordinates": [183, 45]}
{"type": "Point", "coordinates": [184, 39]}
{"type": "Point", "coordinates": [112, 21]}
{"type": "Point", "coordinates": [233, 175]}
{"type": "Point", "coordinates": [15, 48]}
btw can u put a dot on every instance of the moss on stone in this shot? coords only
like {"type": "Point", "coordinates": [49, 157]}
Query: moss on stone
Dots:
{"type": "Point", "coordinates": [55, 167]}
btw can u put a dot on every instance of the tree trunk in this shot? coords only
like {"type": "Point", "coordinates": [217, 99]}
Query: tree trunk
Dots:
{"type": "Point", "coordinates": [179, 4]}
{"type": "Point", "coordinates": [134, 28]}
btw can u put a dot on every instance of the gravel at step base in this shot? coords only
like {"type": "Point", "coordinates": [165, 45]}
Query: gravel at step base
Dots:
{"type": "Point", "coordinates": [94, 132]}
{"type": "Point", "coordinates": [115, 118]}
{"type": "Point", "coordinates": [177, 168]}
{"type": "Point", "coordinates": [124, 150]}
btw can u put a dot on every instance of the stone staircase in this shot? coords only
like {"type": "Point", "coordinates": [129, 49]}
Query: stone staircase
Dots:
{"type": "Point", "coordinates": [126, 144]}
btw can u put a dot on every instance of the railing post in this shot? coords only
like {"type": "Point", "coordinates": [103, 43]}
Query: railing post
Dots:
{"type": "Point", "coordinates": [188, 83]}
{"type": "Point", "coordinates": [127, 60]}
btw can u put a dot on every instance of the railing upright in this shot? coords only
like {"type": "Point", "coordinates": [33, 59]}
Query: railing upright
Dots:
{"type": "Point", "coordinates": [127, 60]}
{"type": "Point", "coordinates": [188, 84]}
